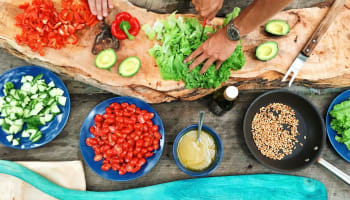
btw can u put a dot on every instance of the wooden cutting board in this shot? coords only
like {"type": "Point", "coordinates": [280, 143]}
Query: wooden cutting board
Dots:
{"type": "Point", "coordinates": [327, 67]}
{"type": "Point", "coordinates": [68, 174]}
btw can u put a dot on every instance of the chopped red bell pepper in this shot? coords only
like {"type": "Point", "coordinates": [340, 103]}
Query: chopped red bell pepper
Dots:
{"type": "Point", "coordinates": [42, 26]}
{"type": "Point", "coordinates": [125, 26]}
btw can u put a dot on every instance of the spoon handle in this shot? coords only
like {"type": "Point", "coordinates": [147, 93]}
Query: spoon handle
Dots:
{"type": "Point", "coordinates": [200, 124]}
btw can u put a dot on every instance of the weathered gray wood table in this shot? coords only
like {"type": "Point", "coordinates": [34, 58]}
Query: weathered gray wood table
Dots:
{"type": "Point", "coordinates": [236, 160]}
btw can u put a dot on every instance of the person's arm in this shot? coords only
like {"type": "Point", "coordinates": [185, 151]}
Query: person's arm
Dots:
{"type": "Point", "coordinates": [257, 13]}
{"type": "Point", "coordinates": [219, 47]}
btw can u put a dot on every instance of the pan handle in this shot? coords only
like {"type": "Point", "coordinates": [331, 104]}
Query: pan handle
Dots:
{"type": "Point", "coordinates": [334, 170]}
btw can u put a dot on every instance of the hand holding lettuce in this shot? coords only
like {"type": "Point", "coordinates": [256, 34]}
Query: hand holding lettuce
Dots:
{"type": "Point", "coordinates": [179, 37]}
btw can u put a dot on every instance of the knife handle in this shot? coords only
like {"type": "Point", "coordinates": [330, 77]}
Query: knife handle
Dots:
{"type": "Point", "coordinates": [322, 27]}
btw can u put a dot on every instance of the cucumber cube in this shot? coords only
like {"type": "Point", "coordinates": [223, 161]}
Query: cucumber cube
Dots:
{"type": "Point", "coordinates": [15, 142]}
{"type": "Point", "coordinates": [51, 84]}
{"type": "Point", "coordinates": [56, 92]}
{"type": "Point", "coordinates": [25, 133]}
{"type": "Point", "coordinates": [34, 89]}
{"type": "Point", "coordinates": [55, 109]}
{"type": "Point", "coordinates": [62, 100]}
{"type": "Point", "coordinates": [9, 138]}
{"type": "Point", "coordinates": [26, 87]}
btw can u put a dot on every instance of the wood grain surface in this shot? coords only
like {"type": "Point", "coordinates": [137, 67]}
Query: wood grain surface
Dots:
{"type": "Point", "coordinates": [323, 27]}
{"type": "Point", "coordinates": [327, 67]}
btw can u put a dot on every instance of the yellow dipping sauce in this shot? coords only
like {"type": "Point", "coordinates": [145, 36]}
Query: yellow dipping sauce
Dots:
{"type": "Point", "coordinates": [196, 155]}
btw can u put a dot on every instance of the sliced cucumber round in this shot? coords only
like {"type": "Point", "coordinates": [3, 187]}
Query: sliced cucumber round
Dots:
{"type": "Point", "coordinates": [130, 66]}
{"type": "Point", "coordinates": [266, 51]}
{"type": "Point", "coordinates": [106, 59]}
{"type": "Point", "coordinates": [277, 27]}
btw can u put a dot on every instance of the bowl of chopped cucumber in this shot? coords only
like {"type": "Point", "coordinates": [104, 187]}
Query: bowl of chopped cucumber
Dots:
{"type": "Point", "coordinates": [34, 107]}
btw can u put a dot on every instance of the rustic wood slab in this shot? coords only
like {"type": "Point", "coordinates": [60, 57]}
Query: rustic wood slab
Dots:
{"type": "Point", "coordinates": [327, 67]}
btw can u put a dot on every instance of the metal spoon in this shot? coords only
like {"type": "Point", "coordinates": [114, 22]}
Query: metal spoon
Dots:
{"type": "Point", "coordinates": [200, 124]}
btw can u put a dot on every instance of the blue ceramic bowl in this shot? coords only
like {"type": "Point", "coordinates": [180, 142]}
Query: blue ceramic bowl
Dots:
{"type": "Point", "coordinates": [218, 156]}
{"type": "Point", "coordinates": [88, 153]}
{"type": "Point", "coordinates": [339, 147]}
{"type": "Point", "coordinates": [50, 130]}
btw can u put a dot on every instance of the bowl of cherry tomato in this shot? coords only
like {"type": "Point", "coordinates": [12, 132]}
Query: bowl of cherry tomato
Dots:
{"type": "Point", "coordinates": [122, 138]}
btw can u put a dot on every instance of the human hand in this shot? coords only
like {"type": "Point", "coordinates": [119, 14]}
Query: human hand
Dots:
{"type": "Point", "coordinates": [207, 8]}
{"type": "Point", "coordinates": [217, 48]}
{"type": "Point", "coordinates": [100, 7]}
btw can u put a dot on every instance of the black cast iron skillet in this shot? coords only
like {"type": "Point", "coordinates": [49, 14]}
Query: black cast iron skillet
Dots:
{"type": "Point", "coordinates": [311, 125]}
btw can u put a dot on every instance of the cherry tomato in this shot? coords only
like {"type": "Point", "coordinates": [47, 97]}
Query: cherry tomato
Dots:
{"type": "Point", "coordinates": [149, 123]}
{"type": "Point", "coordinates": [98, 118]}
{"type": "Point", "coordinates": [92, 129]}
{"type": "Point", "coordinates": [141, 162]}
{"type": "Point", "coordinates": [108, 110]}
{"type": "Point", "coordinates": [124, 137]}
{"type": "Point", "coordinates": [106, 167]}
{"type": "Point", "coordinates": [122, 171]}
{"type": "Point", "coordinates": [136, 168]}
{"type": "Point", "coordinates": [148, 154]}
{"type": "Point", "coordinates": [133, 161]}
{"type": "Point", "coordinates": [90, 141]}
{"type": "Point", "coordinates": [154, 128]}
{"type": "Point", "coordinates": [139, 143]}
{"type": "Point", "coordinates": [97, 157]}
{"type": "Point", "coordinates": [157, 135]}
{"type": "Point", "coordinates": [124, 105]}
{"type": "Point", "coordinates": [155, 146]}
{"type": "Point", "coordinates": [151, 115]}
{"type": "Point", "coordinates": [140, 119]}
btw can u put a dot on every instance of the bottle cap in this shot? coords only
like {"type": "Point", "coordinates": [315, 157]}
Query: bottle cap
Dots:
{"type": "Point", "coordinates": [231, 93]}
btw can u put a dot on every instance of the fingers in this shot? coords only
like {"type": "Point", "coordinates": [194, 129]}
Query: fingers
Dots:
{"type": "Point", "coordinates": [218, 64]}
{"type": "Point", "coordinates": [104, 8]}
{"type": "Point", "coordinates": [211, 16]}
{"type": "Point", "coordinates": [207, 65]}
{"type": "Point", "coordinates": [99, 9]}
{"type": "Point", "coordinates": [110, 3]}
{"type": "Point", "coordinates": [198, 61]}
{"type": "Point", "coordinates": [193, 55]}
{"type": "Point", "coordinates": [92, 5]}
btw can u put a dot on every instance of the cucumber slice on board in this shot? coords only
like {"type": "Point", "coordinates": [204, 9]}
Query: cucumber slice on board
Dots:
{"type": "Point", "coordinates": [277, 27]}
{"type": "Point", "coordinates": [130, 66]}
{"type": "Point", "coordinates": [106, 59]}
{"type": "Point", "coordinates": [266, 51]}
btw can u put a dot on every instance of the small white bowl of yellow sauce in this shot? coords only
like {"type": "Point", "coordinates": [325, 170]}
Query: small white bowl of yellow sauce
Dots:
{"type": "Point", "coordinates": [197, 158]}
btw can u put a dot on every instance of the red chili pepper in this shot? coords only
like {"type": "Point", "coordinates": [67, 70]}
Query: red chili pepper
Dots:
{"type": "Point", "coordinates": [125, 26]}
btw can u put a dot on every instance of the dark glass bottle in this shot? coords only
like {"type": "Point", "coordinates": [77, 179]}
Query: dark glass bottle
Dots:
{"type": "Point", "coordinates": [223, 100]}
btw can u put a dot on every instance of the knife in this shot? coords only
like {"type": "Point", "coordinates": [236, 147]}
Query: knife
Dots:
{"type": "Point", "coordinates": [313, 40]}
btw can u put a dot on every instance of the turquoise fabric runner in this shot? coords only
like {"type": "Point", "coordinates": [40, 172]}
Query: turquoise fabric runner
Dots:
{"type": "Point", "coordinates": [257, 187]}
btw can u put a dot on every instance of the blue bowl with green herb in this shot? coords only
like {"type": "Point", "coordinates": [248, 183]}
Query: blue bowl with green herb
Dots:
{"type": "Point", "coordinates": [339, 107]}
{"type": "Point", "coordinates": [35, 108]}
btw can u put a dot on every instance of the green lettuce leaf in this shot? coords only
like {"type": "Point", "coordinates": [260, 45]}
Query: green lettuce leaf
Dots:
{"type": "Point", "coordinates": [341, 122]}
{"type": "Point", "coordinates": [179, 37]}
{"type": "Point", "coordinates": [232, 15]}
